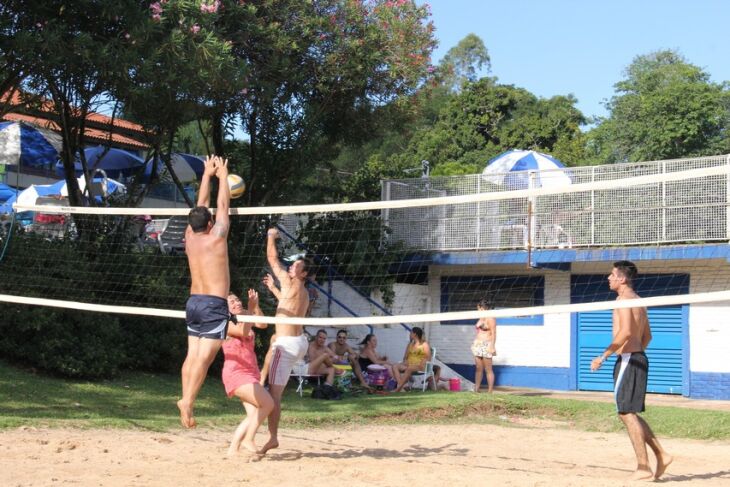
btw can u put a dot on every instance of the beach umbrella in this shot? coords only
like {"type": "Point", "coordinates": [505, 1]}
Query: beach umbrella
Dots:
{"type": "Point", "coordinates": [28, 145]}
{"type": "Point", "coordinates": [512, 169]}
{"type": "Point", "coordinates": [116, 163]}
{"type": "Point", "coordinates": [187, 167]}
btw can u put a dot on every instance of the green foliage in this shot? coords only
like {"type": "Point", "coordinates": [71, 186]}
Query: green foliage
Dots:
{"type": "Point", "coordinates": [664, 108]}
{"type": "Point", "coordinates": [487, 118]}
{"type": "Point", "coordinates": [354, 245]}
{"type": "Point", "coordinates": [457, 168]}
{"type": "Point", "coordinates": [462, 63]}
{"type": "Point", "coordinates": [63, 342]}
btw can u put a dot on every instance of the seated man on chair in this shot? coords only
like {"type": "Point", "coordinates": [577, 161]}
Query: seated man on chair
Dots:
{"type": "Point", "coordinates": [345, 354]}
{"type": "Point", "coordinates": [321, 358]}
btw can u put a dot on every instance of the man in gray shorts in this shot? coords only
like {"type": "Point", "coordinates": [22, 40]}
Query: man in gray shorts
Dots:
{"type": "Point", "coordinates": [206, 312]}
{"type": "Point", "coordinates": [631, 336]}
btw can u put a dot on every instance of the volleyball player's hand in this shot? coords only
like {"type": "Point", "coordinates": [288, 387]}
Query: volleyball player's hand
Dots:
{"type": "Point", "coordinates": [273, 233]}
{"type": "Point", "coordinates": [253, 300]}
{"type": "Point", "coordinates": [221, 168]}
{"type": "Point", "coordinates": [210, 165]}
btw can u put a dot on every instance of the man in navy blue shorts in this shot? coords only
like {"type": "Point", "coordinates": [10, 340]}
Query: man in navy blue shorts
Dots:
{"type": "Point", "coordinates": [631, 336]}
{"type": "Point", "coordinates": [206, 312]}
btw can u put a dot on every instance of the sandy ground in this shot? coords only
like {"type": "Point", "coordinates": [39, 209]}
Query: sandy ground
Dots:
{"type": "Point", "coordinates": [468, 455]}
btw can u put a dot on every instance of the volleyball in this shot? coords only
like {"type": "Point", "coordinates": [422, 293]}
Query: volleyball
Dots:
{"type": "Point", "coordinates": [236, 185]}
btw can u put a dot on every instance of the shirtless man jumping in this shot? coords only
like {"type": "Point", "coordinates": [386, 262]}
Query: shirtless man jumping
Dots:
{"type": "Point", "coordinates": [631, 336]}
{"type": "Point", "coordinates": [206, 312]}
{"type": "Point", "coordinates": [291, 344]}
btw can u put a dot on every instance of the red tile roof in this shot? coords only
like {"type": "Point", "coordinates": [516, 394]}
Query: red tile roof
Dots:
{"type": "Point", "coordinates": [124, 134]}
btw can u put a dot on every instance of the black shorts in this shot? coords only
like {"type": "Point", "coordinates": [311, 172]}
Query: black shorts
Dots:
{"type": "Point", "coordinates": [629, 377]}
{"type": "Point", "coordinates": [207, 316]}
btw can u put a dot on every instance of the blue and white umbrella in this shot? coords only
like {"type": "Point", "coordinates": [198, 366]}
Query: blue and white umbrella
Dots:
{"type": "Point", "coordinates": [515, 168]}
{"type": "Point", "coordinates": [28, 145]}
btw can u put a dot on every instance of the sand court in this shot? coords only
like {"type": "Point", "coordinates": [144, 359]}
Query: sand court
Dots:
{"type": "Point", "coordinates": [377, 455]}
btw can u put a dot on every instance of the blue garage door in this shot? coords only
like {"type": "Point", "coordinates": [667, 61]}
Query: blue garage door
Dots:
{"type": "Point", "coordinates": [668, 325]}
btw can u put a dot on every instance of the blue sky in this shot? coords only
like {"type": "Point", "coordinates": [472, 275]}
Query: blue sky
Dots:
{"type": "Point", "coordinates": [557, 47]}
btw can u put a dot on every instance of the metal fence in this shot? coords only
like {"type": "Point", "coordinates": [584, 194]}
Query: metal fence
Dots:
{"type": "Point", "coordinates": [693, 210]}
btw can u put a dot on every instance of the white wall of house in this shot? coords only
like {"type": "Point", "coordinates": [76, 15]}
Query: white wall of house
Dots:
{"type": "Point", "coordinates": [392, 339]}
{"type": "Point", "coordinates": [539, 346]}
{"type": "Point", "coordinates": [709, 331]}
{"type": "Point", "coordinates": [520, 345]}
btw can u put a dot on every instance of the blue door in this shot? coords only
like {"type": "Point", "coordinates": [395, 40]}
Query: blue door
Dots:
{"type": "Point", "coordinates": [667, 358]}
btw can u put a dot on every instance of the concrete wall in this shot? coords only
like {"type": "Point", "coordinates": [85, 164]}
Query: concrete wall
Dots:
{"type": "Point", "coordinates": [392, 339]}
{"type": "Point", "coordinates": [531, 348]}
{"type": "Point", "coordinates": [709, 330]}
{"type": "Point", "coordinates": [546, 345]}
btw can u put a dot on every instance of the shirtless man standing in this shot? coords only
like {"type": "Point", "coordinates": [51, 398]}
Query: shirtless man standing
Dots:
{"type": "Point", "coordinates": [631, 336]}
{"type": "Point", "coordinates": [206, 312]}
{"type": "Point", "coordinates": [291, 344]}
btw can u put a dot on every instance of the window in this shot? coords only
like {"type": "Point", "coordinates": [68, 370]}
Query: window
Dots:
{"type": "Point", "coordinates": [462, 293]}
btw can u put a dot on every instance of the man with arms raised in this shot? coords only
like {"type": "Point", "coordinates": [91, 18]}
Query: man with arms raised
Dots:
{"type": "Point", "coordinates": [206, 312]}
{"type": "Point", "coordinates": [291, 344]}
{"type": "Point", "coordinates": [631, 336]}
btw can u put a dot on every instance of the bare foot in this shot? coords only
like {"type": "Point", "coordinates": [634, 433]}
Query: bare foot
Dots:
{"type": "Point", "coordinates": [186, 414]}
{"type": "Point", "coordinates": [249, 446]}
{"type": "Point", "coordinates": [270, 445]}
{"type": "Point", "coordinates": [642, 474]}
{"type": "Point", "coordinates": [662, 462]}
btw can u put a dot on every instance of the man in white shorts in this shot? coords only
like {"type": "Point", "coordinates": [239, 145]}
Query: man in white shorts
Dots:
{"type": "Point", "coordinates": [290, 345]}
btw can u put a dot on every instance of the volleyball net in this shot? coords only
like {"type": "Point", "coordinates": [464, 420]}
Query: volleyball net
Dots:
{"type": "Point", "coordinates": [428, 252]}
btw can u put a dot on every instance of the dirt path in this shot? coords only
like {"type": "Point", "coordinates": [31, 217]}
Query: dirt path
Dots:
{"type": "Point", "coordinates": [458, 455]}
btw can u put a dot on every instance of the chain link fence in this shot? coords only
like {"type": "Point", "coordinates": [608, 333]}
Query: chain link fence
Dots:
{"type": "Point", "coordinates": [687, 211]}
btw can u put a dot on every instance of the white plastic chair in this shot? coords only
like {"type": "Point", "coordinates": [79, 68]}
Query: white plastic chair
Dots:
{"type": "Point", "coordinates": [427, 372]}
{"type": "Point", "coordinates": [301, 372]}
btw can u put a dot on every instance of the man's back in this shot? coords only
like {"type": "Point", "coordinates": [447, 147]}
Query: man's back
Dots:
{"type": "Point", "coordinates": [208, 260]}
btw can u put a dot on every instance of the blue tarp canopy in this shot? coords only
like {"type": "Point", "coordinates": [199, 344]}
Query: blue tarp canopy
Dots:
{"type": "Point", "coordinates": [6, 192]}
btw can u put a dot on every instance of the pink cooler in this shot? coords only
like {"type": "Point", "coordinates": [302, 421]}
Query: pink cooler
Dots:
{"type": "Point", "coordinates": [455, 384]}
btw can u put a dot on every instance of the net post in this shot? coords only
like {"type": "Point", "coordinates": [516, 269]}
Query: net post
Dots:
{"type": "Point", "coordinates": [727, 198]}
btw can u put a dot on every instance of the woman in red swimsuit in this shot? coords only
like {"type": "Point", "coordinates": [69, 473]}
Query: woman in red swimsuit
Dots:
{"type": "Point", "coordinates": [241, 373]}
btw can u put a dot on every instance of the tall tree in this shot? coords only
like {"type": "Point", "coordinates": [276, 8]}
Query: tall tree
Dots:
{"type": "Point", "coordinates": [67, 53]}
{"type": "Point", "coordinates": [487, 118]}
{"type": "Point", "coordinates": [318, 72]}
{"type": "Point", "coordinates": [463, 62]}
{"type": "Point", "coordinates": [664, 108]}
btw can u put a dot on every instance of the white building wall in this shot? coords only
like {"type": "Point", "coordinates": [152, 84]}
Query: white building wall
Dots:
{"type": "Point", "coordinates": [519, 345]}
{"type": "Point", "coordinates": [392, 339]}
{"type": "Point", "coordinates": [539, 346]}
{"type": "Point", "coordinates": [709, 331]}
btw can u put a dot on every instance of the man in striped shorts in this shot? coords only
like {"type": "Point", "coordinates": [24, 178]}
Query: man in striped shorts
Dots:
{"type": "Point", "coordinates": [290, 344]}
{"type": "Point", "coordinates": [631, 336]}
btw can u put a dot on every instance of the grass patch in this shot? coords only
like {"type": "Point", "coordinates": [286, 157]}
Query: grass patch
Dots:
{"type": "Point", "coordinates": [147, 401]}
